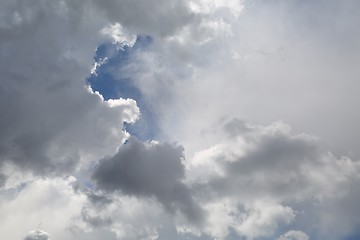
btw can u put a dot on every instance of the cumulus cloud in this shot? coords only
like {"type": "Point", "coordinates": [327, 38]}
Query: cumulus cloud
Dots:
{"type": "Point", "coordinates": [263, 173]}
{"type": "Point", "coordinates": [149, 170]}
{"type": "Point", "coordinates": [213, 77]}
{"type": "Point", "coordinates": [37, 235]}
{"type": "Point", "coordinates": [296, 59]}
{"type": "Point", "coordinates": [47, 203]}
{"type": "Point", "coordinates": [51, 120]}
{"type": "Point", "coordinates": [55, 125]}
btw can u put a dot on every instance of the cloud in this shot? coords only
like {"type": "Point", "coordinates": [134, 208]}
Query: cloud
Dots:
{"type": "Point", "coordinates": [53, 125]}
{"type": "Point", "coordinates": [213, 77]}
{"type": "Point", "coordinates": [37, 235]}
{"type": "Point", "coordinates": [264, 220]}
{"type": "Point", "coordinates": [47, 203]}
{"type": "Point", "coordinates": [52, 122]}
{"type": "Point", "coordinates": [149, 170]}
{"type": "Point", "coordinates": [2, 180]}
{"type": "Point", "coordinates": [94, 220]}
{"type": "Point", "coordinates": [262, 174]}
{"type": "Point", "coordinates": [296, 61]}
{"type": "Point", "coordinates": [157, 18]}
{"type": "Point", "coordinates": [294, 235]}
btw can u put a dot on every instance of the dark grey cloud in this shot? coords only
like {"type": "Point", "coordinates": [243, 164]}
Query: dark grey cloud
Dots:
{"type": "Point", "coordinates": [2, 180]}
{"type": "Point", "coordinates": [149, 170]}
{"type": "Point", "coordinates": [273, 161]}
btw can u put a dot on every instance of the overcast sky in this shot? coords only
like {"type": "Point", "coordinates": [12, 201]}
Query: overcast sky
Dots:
{"type": "Point", "coordinates": [171, 119]}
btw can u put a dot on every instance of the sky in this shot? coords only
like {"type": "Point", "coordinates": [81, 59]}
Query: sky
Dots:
{"type": "Point", "coordinates": [184, 120]}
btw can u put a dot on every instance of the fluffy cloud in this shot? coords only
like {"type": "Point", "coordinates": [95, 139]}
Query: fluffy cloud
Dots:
{"type": "Point", "coordinates": [297, 58]}
{"type": "Point", "coordinates": [52, 121]}
{"type": "Point", "coordinates": [207, 62]}
{"type": "Point", "coordinates": [268, 177]}
{"type": "Point", "coordinates": [150, 170]}
{"type": "Point", "coordinates": [37, 235]}
{"type": "Point", "coordinates": [47, 203]}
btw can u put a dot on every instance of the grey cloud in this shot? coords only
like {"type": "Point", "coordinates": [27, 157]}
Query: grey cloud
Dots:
{"type": "Point", "coordinates": [157, 17]}
{"type": "Point", "coordinates": [93, 220]}
{"type": "Point", "coordinates": [37, 235]}
{"type": "Point", "coordinates": [98, 199]}
{"type": "Point", "coordinates": [95, 235]}
{"type": "Point", "coordinates": [295, 46]}
{"type": "Point", "coordinates": [294, 235]}
{"type": "Point", "coordinates": [278, 151]}
{"type": "Point", "coordinates": [49, 119]}
{"type": "Point", "coordinates": [149, 170]}
{"type": "Point", "coordinates": [236, 127]}
{"type": "Point", "coordinates": [295, 61]}
{"type": "Point", "coordinates": [52, 125]}
{"type": "Point", "coordinates": [294, 172]}
{"type": "Point", "coordinates": [338, 218]}
{"type": "Point", "coordinates": [274, 161]}
{"type": "Point", "coordinates": [2, 180]}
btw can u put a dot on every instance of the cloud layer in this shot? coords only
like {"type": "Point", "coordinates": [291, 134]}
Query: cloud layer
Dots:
{"type": "Point", "coordinates": [252, 104]}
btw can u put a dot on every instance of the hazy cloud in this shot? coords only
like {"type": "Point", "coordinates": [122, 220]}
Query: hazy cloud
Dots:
{"type": "Point", "coordinates": [294, 235]}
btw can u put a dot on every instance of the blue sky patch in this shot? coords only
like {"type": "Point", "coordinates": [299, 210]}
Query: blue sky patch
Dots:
{"type": "Point", "coordinates": [108, 81]}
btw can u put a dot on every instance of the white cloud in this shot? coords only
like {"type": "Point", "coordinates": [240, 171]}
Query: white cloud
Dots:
{"type": "Point", "coordinates": [211, 6]}
{"type": "Point", "coordinates": [47, 203]}
{"type": "Point", "coordinates": [264, 220]}
{"type": "Point", "coordinates": [37, 235]}
{"type": "Point", "coordinates": [119, 36]}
